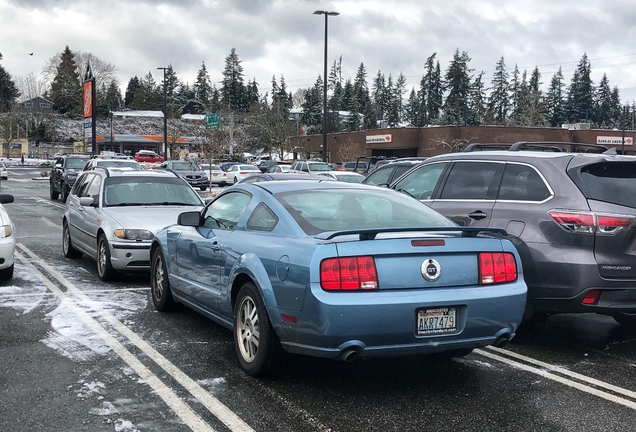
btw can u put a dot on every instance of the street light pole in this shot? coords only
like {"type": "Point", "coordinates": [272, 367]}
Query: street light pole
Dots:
{"type": "Point", "coordinates": [324, 87]}
{"type": "Point", "coordinates": [165, 115]}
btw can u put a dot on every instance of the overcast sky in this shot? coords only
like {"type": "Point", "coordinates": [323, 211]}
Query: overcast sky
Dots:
{"type": "Point", "coordinates": [284, 38]}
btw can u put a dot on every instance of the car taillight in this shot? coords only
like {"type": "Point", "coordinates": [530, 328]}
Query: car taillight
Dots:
{"type": "Point", "coordinates": [591, 298]}
{"type": "Point", "coordinates": [497, 267]}
{"type": "Point", "coordinates": [348, 274]}
{"type": "Point", "coordinates": [590, 223]}
{"type": "Point", "coordinates": [242, 172]}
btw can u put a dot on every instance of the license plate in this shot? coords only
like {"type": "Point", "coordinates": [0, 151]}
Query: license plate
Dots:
{"type": "Point", "coordinates": [215, 175]}
{"type": "Point", "coordinates": [436, 320]}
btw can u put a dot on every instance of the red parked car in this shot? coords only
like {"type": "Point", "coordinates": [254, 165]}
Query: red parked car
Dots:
{"type": "Point", "coordinates": [148, 156]}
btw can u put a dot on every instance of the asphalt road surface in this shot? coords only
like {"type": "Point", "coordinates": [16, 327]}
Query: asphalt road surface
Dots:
{"type": "Point", "coordinates": [77, 354]}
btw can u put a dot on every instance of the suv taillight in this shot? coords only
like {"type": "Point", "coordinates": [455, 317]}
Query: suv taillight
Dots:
{"type": "Point", "coordinates": [590, 223]}
{"type": "Point", "coordinates": [348, 274]}
{"type": "Point", "coordinates": [497, 267]}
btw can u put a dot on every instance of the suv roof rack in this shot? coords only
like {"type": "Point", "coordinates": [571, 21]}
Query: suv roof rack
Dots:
{"type": "Point", "coordinates": [553, 146]}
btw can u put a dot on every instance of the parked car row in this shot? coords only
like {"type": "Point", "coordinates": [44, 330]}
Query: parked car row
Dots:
{"type": "Point", "coordinates": [447, 253]}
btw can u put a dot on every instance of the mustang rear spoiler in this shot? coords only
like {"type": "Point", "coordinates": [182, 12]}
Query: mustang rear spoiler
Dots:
{"type": "Point", "coordinates": [371, 233]}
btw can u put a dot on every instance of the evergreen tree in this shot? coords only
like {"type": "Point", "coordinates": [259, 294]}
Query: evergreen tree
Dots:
{"type": "Point", "coordinates": [616, 108]}
{"type": "Point", "coordinates": [413, 109]}
{"type": "Point", "coordinates": [380, 95]}
{"type": "Point", "coordinates": [312, 108]}
{"type": "Point", "coordinates": [581, 92]}
{"type": "Point", "coordinates": [514, 93]}
{"type": "Point", "coordinates": [555, 102]}
{"type": "Point", "coordinates": [232, 87]}
{"type": "Point", "coordinates": [477, 104]}
{"type": "Point", "coordinates": [131, 91]}
{"type": "Point", "coordinates": [457, 82]}
{"type": "Point", "coordinates": [203, 89]}
{"type": "Point", "coordinates": [172, 84]}
{"type": "Point", "coordinates": [521, 99]}
{"type": "Point", "coordinates": [252, 93]}
{"type": "Point", "coordinates": [365, 105]}
{"type": "Point", "coordinates": [350, 105]}
{"type": "Point", "coordinates": [534, 113]}
{"type": "Point", "coordinates": [66, 89]}
{"type": "Point", "coordinates": [186, 100]}
{"type": "Point", "coordinates": [499, 101]}
{"type": "Point", "coordinates": [392, 114]}
{"type": "Point", "coordinates": [8, 90]}
{"type": "Point", "coordinates": [603, 109]}
{"type": "Point", "coordinates": [215, 102]}
{"type": "Point", "coordinates": [431, 92]}
{"type": "Point", "coordinates": [149, 96]}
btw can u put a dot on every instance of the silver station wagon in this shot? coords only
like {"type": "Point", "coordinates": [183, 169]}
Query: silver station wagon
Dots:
{"type": "Point", "coordinates": [112, 216]}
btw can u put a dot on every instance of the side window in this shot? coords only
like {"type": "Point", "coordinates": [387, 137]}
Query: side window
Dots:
{"type": "Point", "coordinates": [262, 219]}
{"type": "Point", "coordinates": [94, 189]}
{"type": "Point", "coordinates": [399, 170]}
{"type": "Point", "coordinates": [81, 185]}
{"type": "Point", "coordinates": [225, 211]}
{"type": "Point", "coordinates": [522, 183]}
{"type": "Point", "coordinates": [473, 181]}
{"type": "Point", "coordinates": [80, 190]}
{"type": "Point", "coordinates": [420, 183]}
{"type": "Point", "coordinates": [305, 167]}
{"type": "Point", "coordinates": [381, 176]}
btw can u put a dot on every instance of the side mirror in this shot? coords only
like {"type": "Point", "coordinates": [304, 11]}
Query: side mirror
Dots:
{"type": "Point", "coordinates": [58, 165]}
{"type": "Point", "coordinates": [191, 218]}
{"type": "Point", "coordinates": [86, 201]}
{"type": "Point", "coordinates": [6, 198]}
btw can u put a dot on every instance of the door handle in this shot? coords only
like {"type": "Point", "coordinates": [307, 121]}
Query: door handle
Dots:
{"type": "Point", "coordinates": [215, 247]}
{"type": "Point", "coordinates": [477, 215]}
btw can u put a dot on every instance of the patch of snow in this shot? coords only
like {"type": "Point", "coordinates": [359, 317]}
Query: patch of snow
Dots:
{"type": "Point", "coordinates": [122, 425]}
{"type": "Point", "coordinates": [106, 409]}
{"type": "Point", "coordinates": [211, 382]}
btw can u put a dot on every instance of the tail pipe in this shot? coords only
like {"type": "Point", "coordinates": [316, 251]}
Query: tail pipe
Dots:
{"type": "Point", "coordinates": [502, 340]}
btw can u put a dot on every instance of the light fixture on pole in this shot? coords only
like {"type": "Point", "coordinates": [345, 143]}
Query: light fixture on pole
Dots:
{"type": "Point", "coordinates": [165, 115]}
{"type": "Point", "coordinates": [324, 87]}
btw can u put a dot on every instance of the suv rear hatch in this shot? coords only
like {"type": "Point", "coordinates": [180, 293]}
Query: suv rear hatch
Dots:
{"type": "Point", "coordinates": [609, 185]}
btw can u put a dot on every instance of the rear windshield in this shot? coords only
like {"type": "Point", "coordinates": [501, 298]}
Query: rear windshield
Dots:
{"type": "Point", "coordinates": [75, 163]}
{"type": "Point", "coordinates": [613, 182]}
{"type": "Point", "coordinates": [318, 211]}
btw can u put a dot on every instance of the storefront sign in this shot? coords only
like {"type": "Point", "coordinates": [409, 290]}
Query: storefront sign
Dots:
{"type": "Point", "coordinates": [374, 139]}
{"type": "Point", "coordinates": [602, 140]}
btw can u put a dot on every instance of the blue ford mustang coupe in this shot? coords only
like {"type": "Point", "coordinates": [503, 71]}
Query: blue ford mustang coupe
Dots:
{"type": "Point", "coordinates": [338, 270]}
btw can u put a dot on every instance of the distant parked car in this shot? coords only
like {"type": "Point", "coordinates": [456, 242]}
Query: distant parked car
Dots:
{"type": "Point", "coordinates": [338, 270]}
{"type": "Point", "coordinates": [345, 176]}
{"type": "Point", "coordinates": [189, 171]}
{"type": "Point", "coordinates": [236, 173]}
{"type": "Point", "coordinates": [4, 173]}
{"type": "Point", "coordinates": [280, 176]}
{"type": "Point", "coordinates": [7, 239]}
{"type": "Point", "coordinates": [112, 215]}
{"type": "Point", "coordinates": [216, 175]}
{"type": "Point", "coordinates": [148, 156]}
{"type": "Point", "coordinates": [389, 171]}
{"type": "Point", "coordinates": [225, 165]}
{"type": "Point", "coordinates": [65, 170]}
{"type": "Point", "coordinates": [112, 163]}
{"type": "Point", "coordinates": [309, 167]}
{"type": "Point", "coordinates": [280, 168]}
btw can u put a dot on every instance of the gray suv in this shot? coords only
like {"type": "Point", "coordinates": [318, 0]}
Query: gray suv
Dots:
{"type": "Point", "coordinates": [572, 217]}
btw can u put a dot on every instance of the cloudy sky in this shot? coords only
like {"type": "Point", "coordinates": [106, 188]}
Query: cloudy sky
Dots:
{"type": "Point", "coordinates": [284, 38]}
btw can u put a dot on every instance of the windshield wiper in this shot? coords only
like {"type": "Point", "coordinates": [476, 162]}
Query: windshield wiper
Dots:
{"type": "Point", "coordinates": [406, 192]}
{"type": "Point", "coordinates": [123, 204]}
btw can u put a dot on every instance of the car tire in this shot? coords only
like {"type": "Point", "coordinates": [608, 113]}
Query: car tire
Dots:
{"type": "Point", "coordinates": [235, 180]}
{"type": "Point", "coordinates": [67, 245]}
{"type": "Point", "coordinates": [626, 320]}
{"type": "Point", "coordinates": [105, 269]}
{"type": "Point", "coordinates": [6, 274]}
{"type": "Point", "coordinates": [203, 188]}
{"type": "Point", "coordinates": [52, 192]}
{"type": "Point", "coordinates": [65, 191]}
{"type": "Point", "coordinates": [160, 284]}
{"type": "Point", "coordinates": [258, 349]}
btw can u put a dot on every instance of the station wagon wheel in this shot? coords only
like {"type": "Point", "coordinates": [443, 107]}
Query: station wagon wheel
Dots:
{"type": "Point", "coordinates": [159, 283]}
{"type": "Point", "coordinates": [257, 346]}
{"type": "Point", "coordinates": [235, 180]}
{"type": "Point", "coordinates": [67, 245]}
{"type": "Point", "coordinates": [6, 274]}
{"type": "Point", "coordinates": [105, 269]}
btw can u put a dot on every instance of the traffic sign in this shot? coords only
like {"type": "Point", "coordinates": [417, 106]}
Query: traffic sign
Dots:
{"type": "Point", "coordinates": [212, 121]}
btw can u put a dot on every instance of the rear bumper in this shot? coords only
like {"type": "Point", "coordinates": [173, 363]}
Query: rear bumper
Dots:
{"type": "Point", "coordinates": [374, 324]}
{"type": "Point", "coordinates": [559, 278]}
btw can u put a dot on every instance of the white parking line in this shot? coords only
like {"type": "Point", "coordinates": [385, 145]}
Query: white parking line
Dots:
{"type": "Point", "coordinates": [547, 370]}
{"type": "Point", "coordinates": [217, 408]}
